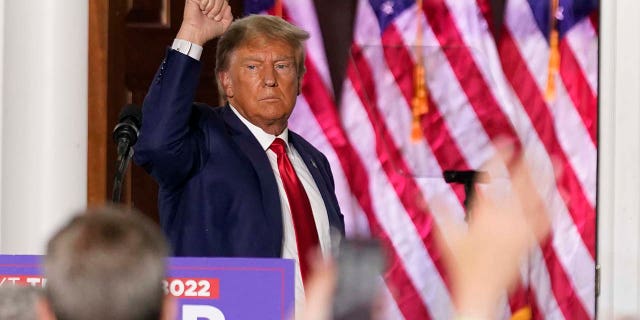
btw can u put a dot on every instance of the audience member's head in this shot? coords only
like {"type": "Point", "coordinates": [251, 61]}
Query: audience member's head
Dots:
{"type": "Point", "coordinates": [18, 302]}
{"type": "Point", "coordinates": [106, 264]}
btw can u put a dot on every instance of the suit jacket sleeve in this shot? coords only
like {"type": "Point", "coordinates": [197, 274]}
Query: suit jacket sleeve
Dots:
{"type": "Point", "coordinates": [171, 142]}
{"type": "Point", "coordinates": [338, 223]}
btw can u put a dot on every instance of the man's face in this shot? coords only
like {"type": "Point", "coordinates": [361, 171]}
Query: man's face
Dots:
{"type": "Point", "coordinates": [262, 83]}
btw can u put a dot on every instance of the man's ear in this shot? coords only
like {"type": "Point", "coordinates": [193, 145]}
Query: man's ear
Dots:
{"type": "Point", "coordinates": [43, 309]}
{"type": "Point", "coordinates": [225, 81]}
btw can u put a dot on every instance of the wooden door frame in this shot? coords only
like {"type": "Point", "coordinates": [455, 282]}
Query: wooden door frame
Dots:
{"type": "Point", "coordinates": [106, 96]}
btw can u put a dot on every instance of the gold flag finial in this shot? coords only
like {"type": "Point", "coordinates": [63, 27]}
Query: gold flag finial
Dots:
{"type": "Point", "coordinates": [419, 102]}
{"type": "Point", "coordinates": [554, 53]}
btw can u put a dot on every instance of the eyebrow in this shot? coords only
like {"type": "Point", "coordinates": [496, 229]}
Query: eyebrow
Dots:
{"type": "Point", "coordinates": [257, 58]}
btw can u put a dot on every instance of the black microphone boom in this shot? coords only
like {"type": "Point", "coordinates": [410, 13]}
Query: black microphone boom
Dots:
{"type": "Point", "coordinates": [125, 135]}
{"type": "Point", "coordinates": [467, 178]}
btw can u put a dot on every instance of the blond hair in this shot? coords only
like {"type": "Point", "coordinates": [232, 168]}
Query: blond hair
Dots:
{"type": "Point", "coordinates": [271, 27]}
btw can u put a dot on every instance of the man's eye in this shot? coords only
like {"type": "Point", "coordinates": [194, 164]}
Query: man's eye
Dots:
{"type": "Point", "coordinates": [251, 67]}
{"type": "Point", "coordinates": [282, 66]}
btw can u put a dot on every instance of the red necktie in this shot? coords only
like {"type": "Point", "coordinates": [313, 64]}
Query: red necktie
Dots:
{"type": "Point", "coordinates": [303, 223]}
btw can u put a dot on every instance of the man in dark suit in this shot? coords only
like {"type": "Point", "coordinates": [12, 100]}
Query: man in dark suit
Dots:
{"type": "Point", "coordinates": [234, 181]}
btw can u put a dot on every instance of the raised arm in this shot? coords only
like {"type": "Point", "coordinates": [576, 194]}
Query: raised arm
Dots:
{"type": "Point", "coordinates": [171, 143]}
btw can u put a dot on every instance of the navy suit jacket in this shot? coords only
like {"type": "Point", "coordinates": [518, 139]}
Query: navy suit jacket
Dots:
{"type": "Point", "coordinates": [218, 193]}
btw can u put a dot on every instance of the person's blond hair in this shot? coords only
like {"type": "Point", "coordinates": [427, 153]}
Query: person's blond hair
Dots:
{"type": "Point", "coordinates": [270, 27]}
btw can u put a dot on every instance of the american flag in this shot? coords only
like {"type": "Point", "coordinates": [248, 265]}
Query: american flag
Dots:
{"type": "Point", "coordinates": [479, 89]}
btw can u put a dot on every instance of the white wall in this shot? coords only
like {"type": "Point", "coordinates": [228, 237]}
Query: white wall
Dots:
{"type": "Point", "coordinates": [1, 101]}
{"type": "Point", "coordinates": [43, 120]}
{"type": "Point", "coordinates": [619, 159]}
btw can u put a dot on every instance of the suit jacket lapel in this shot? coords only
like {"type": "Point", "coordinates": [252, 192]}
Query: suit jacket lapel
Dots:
{"type": "Point", "coordinates": [258, 158]}
{"type": "Point", "coordinates": [320, 179]}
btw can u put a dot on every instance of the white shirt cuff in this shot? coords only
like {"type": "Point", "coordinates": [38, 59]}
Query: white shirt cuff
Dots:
{"type": "Point", "coordinates": [189, 48]}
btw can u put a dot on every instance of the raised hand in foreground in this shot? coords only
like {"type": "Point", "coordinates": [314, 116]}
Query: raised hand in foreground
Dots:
{"type": "Point", "coordinates": [484, 259]}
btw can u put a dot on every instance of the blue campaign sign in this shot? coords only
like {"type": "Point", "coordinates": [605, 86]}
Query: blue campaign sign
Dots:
{"type": "Point", "coordinates": [205, 288]}
{"type": "Point", "coordinates": [239, 288]}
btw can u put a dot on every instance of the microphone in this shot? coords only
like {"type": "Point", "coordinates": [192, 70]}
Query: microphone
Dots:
{"type": "Point", "coordinates": [467, 178]}
{"type": "Point", "coordinates": [125, 135]}
{"type": "Point", "coordinates": [126, 131]}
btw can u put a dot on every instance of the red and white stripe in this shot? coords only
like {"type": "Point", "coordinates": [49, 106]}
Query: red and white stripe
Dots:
{"type": "Point", "coordinates": [392, 188]}
{"type": "Point", "coordinates": [405, 274]}
{"type": "Point", "coordinates": [567, 129]}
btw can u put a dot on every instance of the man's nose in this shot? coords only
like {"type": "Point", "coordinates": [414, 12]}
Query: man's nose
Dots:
{"type": "Point", "coordinates": [269, 77]}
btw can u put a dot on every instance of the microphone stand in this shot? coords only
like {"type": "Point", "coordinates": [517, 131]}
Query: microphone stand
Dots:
{"type": "Point", "coordinates": [125, 152]}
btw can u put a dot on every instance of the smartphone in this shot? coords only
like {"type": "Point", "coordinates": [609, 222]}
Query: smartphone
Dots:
{"type": "Point", "coordinates": [360, 264]}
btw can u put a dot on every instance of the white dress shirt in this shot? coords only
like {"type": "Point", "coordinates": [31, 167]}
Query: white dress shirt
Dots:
{"type": "Point", "coordinates": [186, 47]}
{"type": "Point", "coordinates": [289, 246]}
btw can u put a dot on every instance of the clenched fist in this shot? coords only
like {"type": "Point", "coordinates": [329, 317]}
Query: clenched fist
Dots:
{"type": "Point", "coordinates": [204, 20]}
